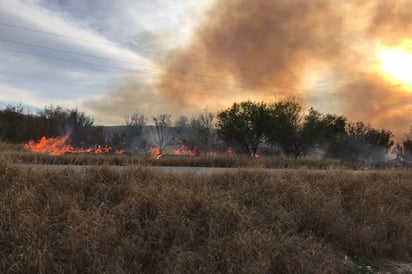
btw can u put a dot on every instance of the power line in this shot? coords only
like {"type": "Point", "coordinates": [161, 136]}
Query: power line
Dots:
{"type": "Point", "coordinates": [148, 51]}
{"type": "Point", "coordinates": [120, 61]}
{"type": "Point", "coordinates": [110, 59]}
{"type": "Point", "coordinates": [127, 47]}
{"type": "Point", "coordinates": [214, 84]}
{"type": "Point", "coordinates": [164, 55]}
{"type": "Point", "coordinates": [55, 34]}
{"type": "Point", "coordinates": [69, 60]}
{"type": "Point", "coordinates": [132, 70]}
{"type": "Point", "coordinates": [108, 66]}
{"type": "Point", "coordinates": [61, 50]}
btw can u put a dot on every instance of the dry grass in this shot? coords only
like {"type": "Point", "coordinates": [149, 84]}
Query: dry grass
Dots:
{"type": "Point", "coordinates": [17, 155]}
{"type": "Point", "coordinates": [102, 220]}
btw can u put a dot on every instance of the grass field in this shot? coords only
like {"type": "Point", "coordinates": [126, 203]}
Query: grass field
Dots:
{"type": "Point", "coordinates": [17, 154]}
{"type": "Point", "coordinates": [133, 220]}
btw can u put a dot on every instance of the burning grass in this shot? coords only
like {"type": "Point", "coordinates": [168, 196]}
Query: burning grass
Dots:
{"type": "Point", "coordinates": [60, 146]}
{"type": "Point", "coordinates": [103, 220]}
{"type": "Point", "coordinates": [238, 161]}
{"type": "Point", "coordinates": [17, 154]}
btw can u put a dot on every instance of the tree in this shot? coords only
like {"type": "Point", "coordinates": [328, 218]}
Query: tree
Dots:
{"type": "Point", "coordinates": [404, 149]}
{"type": "Point", "coordinates": [321, 130]}
{"type": "Point", "coordinates": [204, 130]}
{"type": "Point", "coordinates": [118, 140]}
{"type": "Point", "coordinates": [17, 125]}
{"type": "Point", "coordinates": [283, 129]}
{"type": "Point", "coordinates": [181, 124]}
{"type": "Point", "coordinates": [407, 150]}
{"type": "Point", "coordinates": [161, 132]}
{"type": "Point", "coordinates": [198, 134]}
{"type": "Point", "coordinates": [296, 134]}
{"type": "Point", "coordinates": [61, 121]}
{"type": "Point", "coordinates": [135, 122]}
{"type": "Point", "coordinates": [362, 143]}
{"type": "Point", "coordinates": [133, 134]}
{"type": "Point", "coordinates": [244, 124]}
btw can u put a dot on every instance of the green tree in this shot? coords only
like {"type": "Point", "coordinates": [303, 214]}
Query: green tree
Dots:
{"type": "Point", "coordinates": [362, 143]}
{"type": "Point", "coordinates": [322, 129]}
{"type": "Point", "coordinates": [296, 134]}
{"type": "Point", "coordinates": [244, 124]}
{"type": "Point", "coordinates": [283, 130]}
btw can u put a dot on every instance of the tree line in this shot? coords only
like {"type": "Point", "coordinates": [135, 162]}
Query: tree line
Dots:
{"type": "Point", "coordinates": [285, 126]}
{"type": "Point", "coordinates": [247, 127]}
{"type": "Point", "coordinates": [17, 126]}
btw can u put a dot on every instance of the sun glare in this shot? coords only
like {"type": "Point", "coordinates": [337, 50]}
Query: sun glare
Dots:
{"type": "Point", "coordinates": [397, 63]}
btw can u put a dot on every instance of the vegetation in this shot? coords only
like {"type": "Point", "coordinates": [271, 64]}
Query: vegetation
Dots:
{"type": "Point", "coordinates": [16, 154]}
{"type": "Point", "coordinates": [361, 143]}
{"type": "Point", "coordinates": [133, 220]}
{"type": "Point", "coordinates": [162, 135]}
{"type": "Point", "coordinates": [198, 134]}
{"type": "Point", "coordinates": [247, 128]}
{"type": "Point", "coordinates": [296, 134]}
{"type": "Point", "coordinates": [244, 125]}
{"type": "Point", "coordinates": [16, 126]}
{"type": "Point", "coordinates": [284, 125]}
{"type": "Point", "coordinates": [404, 149]}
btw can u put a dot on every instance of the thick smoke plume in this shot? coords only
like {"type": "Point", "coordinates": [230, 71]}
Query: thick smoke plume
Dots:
{"type": "Point", "coordinates": [320, 51]}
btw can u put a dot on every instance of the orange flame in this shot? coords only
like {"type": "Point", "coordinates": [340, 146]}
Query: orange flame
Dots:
{"type": "Point", "coordinates": [185, 151]}
{"type": "Point", "coordinates": [119, 151]}
{"type": "Point", "coordinates": [59, 146]}
{"type": "Point", "coordinates": [156, 152]}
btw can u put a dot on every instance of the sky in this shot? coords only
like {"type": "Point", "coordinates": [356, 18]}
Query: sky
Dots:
{"type": "Point", "coordinates": [70, 52]}
{"type": "Point", "coordinates": [113, 58]}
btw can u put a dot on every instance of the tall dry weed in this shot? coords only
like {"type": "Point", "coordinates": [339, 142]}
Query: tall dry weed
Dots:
{"type": "Point", "coordinates": [133, 220]}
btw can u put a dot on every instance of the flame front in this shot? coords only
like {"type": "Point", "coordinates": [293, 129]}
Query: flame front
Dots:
{"type": "Point", "coordinates": [185, 151]}
{"type": "Point", "coordinates": [59, 146]}
{"type": "Point", "coordinates": [156, 152]}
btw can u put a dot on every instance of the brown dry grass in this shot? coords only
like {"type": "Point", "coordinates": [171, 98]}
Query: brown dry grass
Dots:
{"type": "Point", "coordinates": [17, 154]}
{"type": "Point", "coordinates": [102, 220]}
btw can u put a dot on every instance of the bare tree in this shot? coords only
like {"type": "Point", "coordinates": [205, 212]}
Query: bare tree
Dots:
{"type": "Point", "coordinates": [135, 122]}
{"type": "Point", "coordinates": [204, 130]}
{"type": "Point", "coordinates": [181, 124]}
{"type": "Point", "coordinates": [162, 132]}
{"type": "Point", "coordinates": [134, 129]}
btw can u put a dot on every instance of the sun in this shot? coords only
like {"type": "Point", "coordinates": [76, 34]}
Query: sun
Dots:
{"type": "Point", "coordinates": [396, 63]}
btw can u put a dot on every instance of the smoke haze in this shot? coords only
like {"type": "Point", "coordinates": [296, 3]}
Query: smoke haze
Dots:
{"type": "Point", "coordinates": [320, 51]}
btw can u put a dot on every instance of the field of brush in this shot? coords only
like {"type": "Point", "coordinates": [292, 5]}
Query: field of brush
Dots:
{"type": "Point", "coordinates": [17, 154]}
{"type": "Point", "coordinates": [137, 220]}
